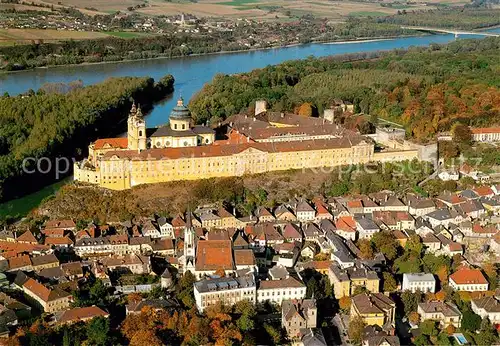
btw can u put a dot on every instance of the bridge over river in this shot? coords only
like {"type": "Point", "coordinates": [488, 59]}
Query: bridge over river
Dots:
{"type": "Point", "coordinates": [450, 31]}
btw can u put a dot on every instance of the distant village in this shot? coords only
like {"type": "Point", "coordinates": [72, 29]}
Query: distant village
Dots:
{"type": "Point", "coordinates": [268, 257]}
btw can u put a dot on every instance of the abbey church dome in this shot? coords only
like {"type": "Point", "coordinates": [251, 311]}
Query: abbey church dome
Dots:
{"type": "Point", "coordinates": [180, 112]}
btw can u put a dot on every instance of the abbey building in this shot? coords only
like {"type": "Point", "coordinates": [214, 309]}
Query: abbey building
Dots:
{"type": "Point", "coordinates": [264, 142]}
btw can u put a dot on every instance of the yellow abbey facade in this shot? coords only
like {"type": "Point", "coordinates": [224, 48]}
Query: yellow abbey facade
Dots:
{"type": "Point", "coordinates": [265, 142]}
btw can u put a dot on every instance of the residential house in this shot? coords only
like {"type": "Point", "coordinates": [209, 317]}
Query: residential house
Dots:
{"type": "Point", "coordinates": [345, 281]}
{"type": "Point", "coordinates": [264, 215]}
{"type": "Point", "coordinates": [59, 243]}
{"type": "Point", "coordinates": [394, 220]}
{"type": "Point", "coordinates": [150, 230]}
{"type": "Point", "coordinates": [373, 308]}
{"type": "Point", "coordinates": [312, 232]}
{"type": "Point", "coordinates": [322, 211]}
{"type": "Point", "coordinates": [276, 291]}
{"type": "Point", "coordinates": [83, 314]}
{"type": "Point", "coordinates": [292, 232]}
{"type": "Point", "coordinates": [346, 227]}
{"type": "Point", "coordinates": [366, 227]}
{"type": "Point", "coordinates": [393, 203]}
{"type": "Point", "coordinates": [228, 290]}
{"type": "Point", "coordinates": [443, 312]}
{"type": "Point", "coordinates": [472, 208]}
{"type": "Point", "coordinates": [309, 250]}
{"type": "Point", "coordinates": [245, 259]}
{"type": "Point", "coordinates": [447, 175]}
{"type": "Point", "coordinates": [305, 212]}
{"type": "Point", "coordinates": [487, 307]}
{"type": "Point", "coordinates": [131, 263]}
{"type": "Point", "coordinates": [51, 300]}
{"type": "Point", "coordinates": [115, 244]}
{"type": "Point", "coordinates": [431, 243]}
{"type": "Point", "coordinates": [44, 261]}
{"type": "Point", "coordinates": [321, 267]}
{"type": "Point", "coordinates": [27, 237]}
{"type": "Point", "coordinates": [467, 279]}
{"type": "Point", "coordinates": [423, 282]}
{"type": "Point", "coordinates": [166, 228]}
{"type": "Point", "coordinates": [282, 213]}
{"type": "Point", "coordinates": [420, 206]}
{"type": "Point", "coordinates": [443, 217]}
{"type": "Point", "coordinates": [297, 315]}
{"type": "Point", "coordinates": [22, 262]}
{"type": "Point", "coordinates": [66, 225]}
{"type": "Point", "coordinates": [340, 253]}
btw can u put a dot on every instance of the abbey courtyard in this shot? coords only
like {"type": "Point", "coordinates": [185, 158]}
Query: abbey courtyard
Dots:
{"type": "Point", "coordinates": [243, 144]}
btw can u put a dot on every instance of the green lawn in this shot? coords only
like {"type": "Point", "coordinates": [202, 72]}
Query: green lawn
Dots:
{"type": "Point", "coordinates": [239, 2]}
{"type": "Point", "coordinates": [367, 14]}
{"type": "Point", "coordinates": [22, 206]}
{"type": "Point", "coordinates": [126, 34]}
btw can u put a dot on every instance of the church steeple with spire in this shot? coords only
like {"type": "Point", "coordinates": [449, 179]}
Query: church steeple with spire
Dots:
{"type": "Point", "coordinates": [136, 129]}
{"type": "Point", "coordinates": [189, 244]}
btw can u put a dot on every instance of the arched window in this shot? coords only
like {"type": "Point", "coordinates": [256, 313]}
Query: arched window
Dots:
{"type": "Point", "coordinates": [140, 133]}
{"type": "Point", "coordinates": [207, 140]}
{"type": "Point", "coordinates": [175, 126]}
{"type": "Point", "coordinates": [183, 126]}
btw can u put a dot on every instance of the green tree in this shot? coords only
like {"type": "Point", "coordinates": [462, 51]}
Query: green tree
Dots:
{"type": "Point", "coordinates": [356, 327]}
{"type": "Point", "coordinates": [428, 327]}
{"type": "Point", "coordinates": [461, 134]}
{"type": "Point", "coordinates": [390, 284]}
{"type": "Point", "coordinates": [443, 340]}
{"type": "Point", "coordinates": [410, 301]}
{"type": "Point", "coordinates": [97, 331]}
{"type": "Point", "coordinates": [386, 243]}
{"type": "Point", "coordinates": [470, 321]}
{"type": "Point", "coordinates": [339, 188]}
{"type": "Point", "coordinates": [422, 340]}
{"type": "Point", "coordinates": [273, 332]}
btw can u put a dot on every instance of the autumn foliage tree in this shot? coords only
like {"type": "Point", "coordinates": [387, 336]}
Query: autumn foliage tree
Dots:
{"type": "Point", "coordinates": [345, 303]}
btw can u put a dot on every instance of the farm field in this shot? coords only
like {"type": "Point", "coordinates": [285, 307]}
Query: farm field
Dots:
{"type": "Point", "coordinates": [24, 36]}
{"type": "Point", "coordinates": [255, 9]}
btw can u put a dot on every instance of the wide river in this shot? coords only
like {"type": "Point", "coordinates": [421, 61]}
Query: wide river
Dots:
{"type": "Point", "coordinates": [192, 72]}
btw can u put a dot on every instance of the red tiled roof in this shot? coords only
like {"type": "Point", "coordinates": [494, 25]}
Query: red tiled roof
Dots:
{"type": "Point", "coordinates": [37, 289]}
{"type": "Point", "coordinates": [355, 204]}
{"type": "Point", "coordinates": [19, 262]}
{"type": "Point", "coordinates": [468, 276]}
{"type": "Point", "coordinates": [118, 143]}
{"type": "Point", "coordinates": [81, 314]}
{"type": "Point", "coordinates": [228, 150]}
{"type": "Point", "coordinates": [291, 232]}
{"type": "Point", "coordinates": [214, 254]}
{"type": "Point", "coordinates": [27, 237]}
{"type": "Point", "coordinates": [64, 224]}
{"type": "Point", "coordinates": [481, 130]}
{"type": "Point", "coordinates": [477, 228]}
{"type": "Point", "coordinates": [244, 257]}
{"type": "Point", "coordinates": [346, 223]}
{"type": "Point", "coordinates": [285, 283]}
{"type": "Point", "coordinates": [53, 232]}
{"type": "Point", "coordinates": [483, 191]}
{"type": "Point", "coordinates": [58, 241]}
{"type": "Point", "coordinates": [455, 246]}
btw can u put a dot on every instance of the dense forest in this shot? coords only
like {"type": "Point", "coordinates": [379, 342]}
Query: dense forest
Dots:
{"type": "Point", "coordinates": [242, 37]}
{"type": "Point", "coordinates": [61, 120]}
{"type": "Point", "coordinates": [426, 89]}
{"type": "Point", "coordinates": [466, 18]}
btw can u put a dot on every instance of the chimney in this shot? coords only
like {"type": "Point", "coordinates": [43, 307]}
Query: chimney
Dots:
{"type": "Point", "coordinates": [260, 107]}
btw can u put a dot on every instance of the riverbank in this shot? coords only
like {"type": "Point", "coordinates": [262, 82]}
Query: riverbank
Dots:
{"type": "Point", "coordinates": [344, 41]}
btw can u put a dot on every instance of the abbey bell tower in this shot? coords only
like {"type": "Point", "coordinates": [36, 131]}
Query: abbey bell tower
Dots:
{"type": "Point", "coordinates": [136, 129]}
